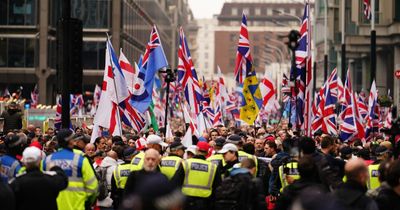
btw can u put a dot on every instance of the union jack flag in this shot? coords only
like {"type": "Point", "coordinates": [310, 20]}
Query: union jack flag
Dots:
{"type": "Point", "coordinates": [243, 56]}
{"type": "Point", "coordinates": [367, 9]}
{"type": "Point", "coordinates": [285, 89]}
{"type": "Point", "coordinates": [362, 106]}
{"type": "Point", "coordinates": [187, 75]}
{"type": "Point", "coordinates": [304, 74]}
{"type": "Point", "coordinates": [34, 97]}
{"type": "Point", "coordinates": [348, 127]}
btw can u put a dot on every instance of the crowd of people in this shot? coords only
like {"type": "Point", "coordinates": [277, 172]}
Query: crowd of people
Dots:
{"type": "Point", "coordinates": [243, 168]}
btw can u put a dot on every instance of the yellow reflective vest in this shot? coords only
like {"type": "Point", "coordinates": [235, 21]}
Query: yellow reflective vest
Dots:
{"type": "Point", "coordinates": [216, 159]}
{"type": "Point", "coordinates": [82, 182]}
{"type": "Point", "coordinates": [137, 161]}
{"type": "Point", "coordinates": [243, 155]}
{"type": "Point", "coordinates": [373, 181]}
{"type": "Point", "coordinates": [199, 177]}
{"type": "Point", "coordinates": [121, 173]}
{"type": "Point", "coordinates": [169, 165]}
{"type": "Point", "coordinates": [292, 171]}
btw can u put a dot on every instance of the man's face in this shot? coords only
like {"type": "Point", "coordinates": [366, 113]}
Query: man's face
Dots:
{"type": "Point", "coordinates": [50, 132]}
{"type": "Point", "coordinates": [89, 150]}
{"type": "Point", "coordinates": [38, 131]}
{"type": "Point", "coordinates": [268, 150]}
{"type": "Point", "coordinates": [259, 144]}
{"type": "Point", "coordinates": [224, 131]}
{"type": "Point", "coordinates": [229, 156]}
{"type": "Point", "coordinates": [131, 143]}
{"type": "Point", "coordinates": [214, 135]}
{"type": "Point", "coordinates": [151, 162]}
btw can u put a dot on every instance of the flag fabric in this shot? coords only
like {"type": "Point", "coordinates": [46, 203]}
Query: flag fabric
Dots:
{"type": "Point", "coordinates": [187, 75]}
{"type": "Point", "coordinates": [57, 119]}
{"type": "Point", "coordinates": [251, 100]}
{"type": "Point", "coordinates": [221, 86]}
{"type": "Point", "coordinates": [243, 58]}
{"type": "Point", "coordinates": [348, 127]}
{"type": "Point", "coordinates": [128, 70]}
{"type": "Point", "coordinates": [303, 97]}
{"type": "Point", "coordinates": [34, 97]}
{"type": "Point", "coordinates": [388, 119]}
{"type": "Point", "coordinates": [367, 9]}
{"type": "Point", "coordinates": [153, 59]}
{"type": "Point", "coordinates": [285, 89]}
{"type": "Point", "coordinates": [267, 90]}
{"type": "Point", "coordinates": [373, 111]}
{"type": "Point", "coordinates": [362, 107]}
{"type": "Point", "coordinates": [96, 99]}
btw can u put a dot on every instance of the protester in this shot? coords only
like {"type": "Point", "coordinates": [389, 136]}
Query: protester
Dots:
{"type": "Point", "coordinates": [389, 198]}
{"type": "Point", "coordinates": [105, 172]}
{"type": "Point", "coordinates": [10, 165]}
{"type": "Point", "coordinates": [12, 118]}
{"type": "Point", "coordinates": [33, 185]}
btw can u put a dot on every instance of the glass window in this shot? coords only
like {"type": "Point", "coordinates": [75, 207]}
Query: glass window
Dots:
{"type": "Point", "coordinates": [293, 11]}
{"type": "Point", "coordinates": [234, 11]}
{"type": "Point", "coordinates": [16, 52]}
{"type": "Point", "coordinates": [246, 11]}
{"type": "Point", "coordinates": [18, 12]}
{"type": "Point", "coordinates": [3, 52]}
{"type": "Point", "coordinates": [205, 65]}
{"type": "Point", "coordinates": [269, 11]}
{"type": "Point", "coordinates": [206, 55]}
{"type": "Point", "coordinates": [257, 11]}
{"type": "Point", "coordinates": [94, 53]}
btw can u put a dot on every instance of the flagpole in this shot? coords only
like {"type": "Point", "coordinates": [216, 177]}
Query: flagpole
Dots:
{"type": "Point", "coordinates": [115, 88]}
{"type": "Point", "coordinates": [373, 42]}
{"type": "Point", "coordinates": [343, 40]}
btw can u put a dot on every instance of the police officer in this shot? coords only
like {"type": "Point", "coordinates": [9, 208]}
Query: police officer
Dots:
{"type": "Point", "coordinates": [170, 164]}
{"type": "Point", "coordinates": [230, 154]}
{"type": "Point", "coordinates": [237, 140]}
{"type": "Point", "coordinates": [153, 142]}
{"type": "Point", "coordinates": [217, 158]}
{"type": "Point", "coordinates": [120, 176]}
{"type": "Point", "coordinates": [10, 165]}
{"type": "Point", "coordinates": [382, 153]}
{"type": "Point", "coordinates": [199, 179]}
{"type": "Point", "coordinates": [82, 182]}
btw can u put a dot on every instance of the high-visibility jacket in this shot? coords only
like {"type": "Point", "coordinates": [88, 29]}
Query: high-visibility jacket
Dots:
{"type": "Point", "coordinates": [137, 161]}
{"type": "Point", "coordinates": [9, 168]}
{"type": "Point", "coordinates": [292, 171]}
{"type": "Point", "coordinates": [216, 159]}
{"type": "Point", "coordinates": [121, 174]}
{"type": "Point", "coordinates": [82, 182]}
{"type": "Point", "coordinates": [373, 181]}
{"type": "Point", "coordinates": [243, 155]}
{"type": "Point", "coordinates": [169, 165]}
{"type": "Point", "coordinates": [199, 177]}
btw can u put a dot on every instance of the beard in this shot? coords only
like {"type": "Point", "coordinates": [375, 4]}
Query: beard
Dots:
{"type": "Point", "coordinates": [149, 168]}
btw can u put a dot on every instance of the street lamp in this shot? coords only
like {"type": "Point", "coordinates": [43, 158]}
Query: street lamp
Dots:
{"type": "Point", "coordinates": [169, 77]}
{"type": "Point", "coordinates": [293, 44]}
{"type": "Point", "coordinates": [288, 14]}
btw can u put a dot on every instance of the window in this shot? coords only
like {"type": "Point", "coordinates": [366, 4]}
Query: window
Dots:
{"type": "Point", "coordinates": [257, 11]}
{"type": "Point", "coordinates": [94, 53]}
{"type": "Point", "coordinates": [205, 65]}
{"type": "Point", "coordinates": [206, 55]}
{"type": "Point", "coordinates": [17, 52]}
{"type": "Point", "coordinates": [206, 46]}
{"type": "Point", "coordinates": [234, 11]}
{"type": "Point", "coordinates": [293, 11]}
{"type": "Point", "coordinates": [22, 12]}
{"type": "Point", "coordinates": [269, 11]}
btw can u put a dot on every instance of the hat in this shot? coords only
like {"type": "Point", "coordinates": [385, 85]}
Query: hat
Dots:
{"type": "Point", "coordinates": [192, 149]}
{"type": "Point", "coordinates": [234, 139]}
{"type": "Point", "coordinates": [202, 139]}
{"type": "Point", "coordinates": [381, 150]}
{"type": "Point", "coordinates": [270, 138]}
{"type": "Point", "coordinates": [36, 144]}
{"type": "Point", "coordinates": [346, 150]}
{"type": "Point", "coordinates": [176, 145]}
{"type": "Point", "coordinates": [219, 142]}
{"type": "Point", "coordinates": [228, 148]}
{"type": "Point", "coordinates": [12, 141]}
{"type": "Point", "coordinates": [203, 146]}
{"type": "Point", "coordinates": [31, 154]}
{"type": "Point", "coordinates": [129, 152]}
{"type": "Point", "coordinates": [82, 137]}
{"type": "Point", "coordinates": [154, 139]}
{"type": "Point", "coordinates": [65, 135]}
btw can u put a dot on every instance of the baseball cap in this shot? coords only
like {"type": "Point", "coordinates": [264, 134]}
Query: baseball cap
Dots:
{"type": "Point", "coordinates": [380, 150]}
{"type": "Point", "coordinates": [176, 145]}
{"type": "Point", "coordinates": [229, 147]}
{"type": "Point", "coordinates": [154, 139]}
{"type": "Point", "coordinates": [346, 150]}
{"type": "Point", "coordinates": [65, 135]}
{"type": "Point", "coordinates": [192, 149]}
{"type": "Point", "coordinates": [219, 142]}
{"type": "Point", "coordinates": [203, 146]}
{"type": "Point", "coordinates": [31, 154]}
{"type": "Point", "coordinates": [129, 152]}
{"type": "Point", "coordinates": [234, 139]}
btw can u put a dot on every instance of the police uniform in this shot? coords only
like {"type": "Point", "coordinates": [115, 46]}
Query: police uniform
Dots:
{"type": "Point", "coordinates": [243, 155]}
{"type": "Point", "coordinates": [138, 161]}
{"type": "Point", "coordinates": [82, 182]}
{"type": "Point", "coordinates": [169, 165]}
{"type": "Point", "coordinates": [288, 169]}
{"type": "Point", "coordinates": [373, 181]}
{"type": "Point", "coordinates": [217, 159]}
{"type": "Point", "coordinates": [9, 168]}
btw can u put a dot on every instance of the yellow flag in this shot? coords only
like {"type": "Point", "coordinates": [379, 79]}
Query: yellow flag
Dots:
{"type": "Point", "coordinates": [251, 100]}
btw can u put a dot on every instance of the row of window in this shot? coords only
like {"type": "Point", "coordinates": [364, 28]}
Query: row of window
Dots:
{"type": "Point", "coordinates": [269, 11]}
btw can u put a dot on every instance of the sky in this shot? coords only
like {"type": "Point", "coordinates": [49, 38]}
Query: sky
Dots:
{"type": "Point", "coordinates": [205, 8]}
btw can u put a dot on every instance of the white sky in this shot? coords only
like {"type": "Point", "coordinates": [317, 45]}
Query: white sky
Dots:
{"type": "Point", "coordinates": [205, 8]}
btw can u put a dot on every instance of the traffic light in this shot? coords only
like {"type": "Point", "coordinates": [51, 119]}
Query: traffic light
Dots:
{"type": "Point", "coordinates": [69, 55]}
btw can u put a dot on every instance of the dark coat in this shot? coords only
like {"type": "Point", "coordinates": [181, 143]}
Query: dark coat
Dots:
{"type": "Point", "coordinates": [39, 190]}
{"type": "Point", "coordinates": [352, 195]}
{"type": "Point", "coordinates": [388, 199]}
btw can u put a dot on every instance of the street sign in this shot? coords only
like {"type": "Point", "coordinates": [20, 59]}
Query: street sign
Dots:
{"type": "Point", "coordinates": [397, 74]}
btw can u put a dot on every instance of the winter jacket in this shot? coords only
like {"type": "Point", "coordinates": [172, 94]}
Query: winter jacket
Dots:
{"type": "Point", "coordinates": [274, 181]}
{"type": "Point", "coordinates": [352, 195]}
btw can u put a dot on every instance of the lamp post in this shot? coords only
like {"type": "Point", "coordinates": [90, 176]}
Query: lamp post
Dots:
{"type": "Point", "coordinates": [326, 41]}
{"type": "Point", "coordinates": [170, 77]}
{"type": "Point", "coordinates": [293, 44]}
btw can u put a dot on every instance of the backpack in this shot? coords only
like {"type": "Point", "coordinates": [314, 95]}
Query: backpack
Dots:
{"type": "Point", "coordinates": [101, 173]}
{"type": "Point", "coordinates": [230, 195]}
